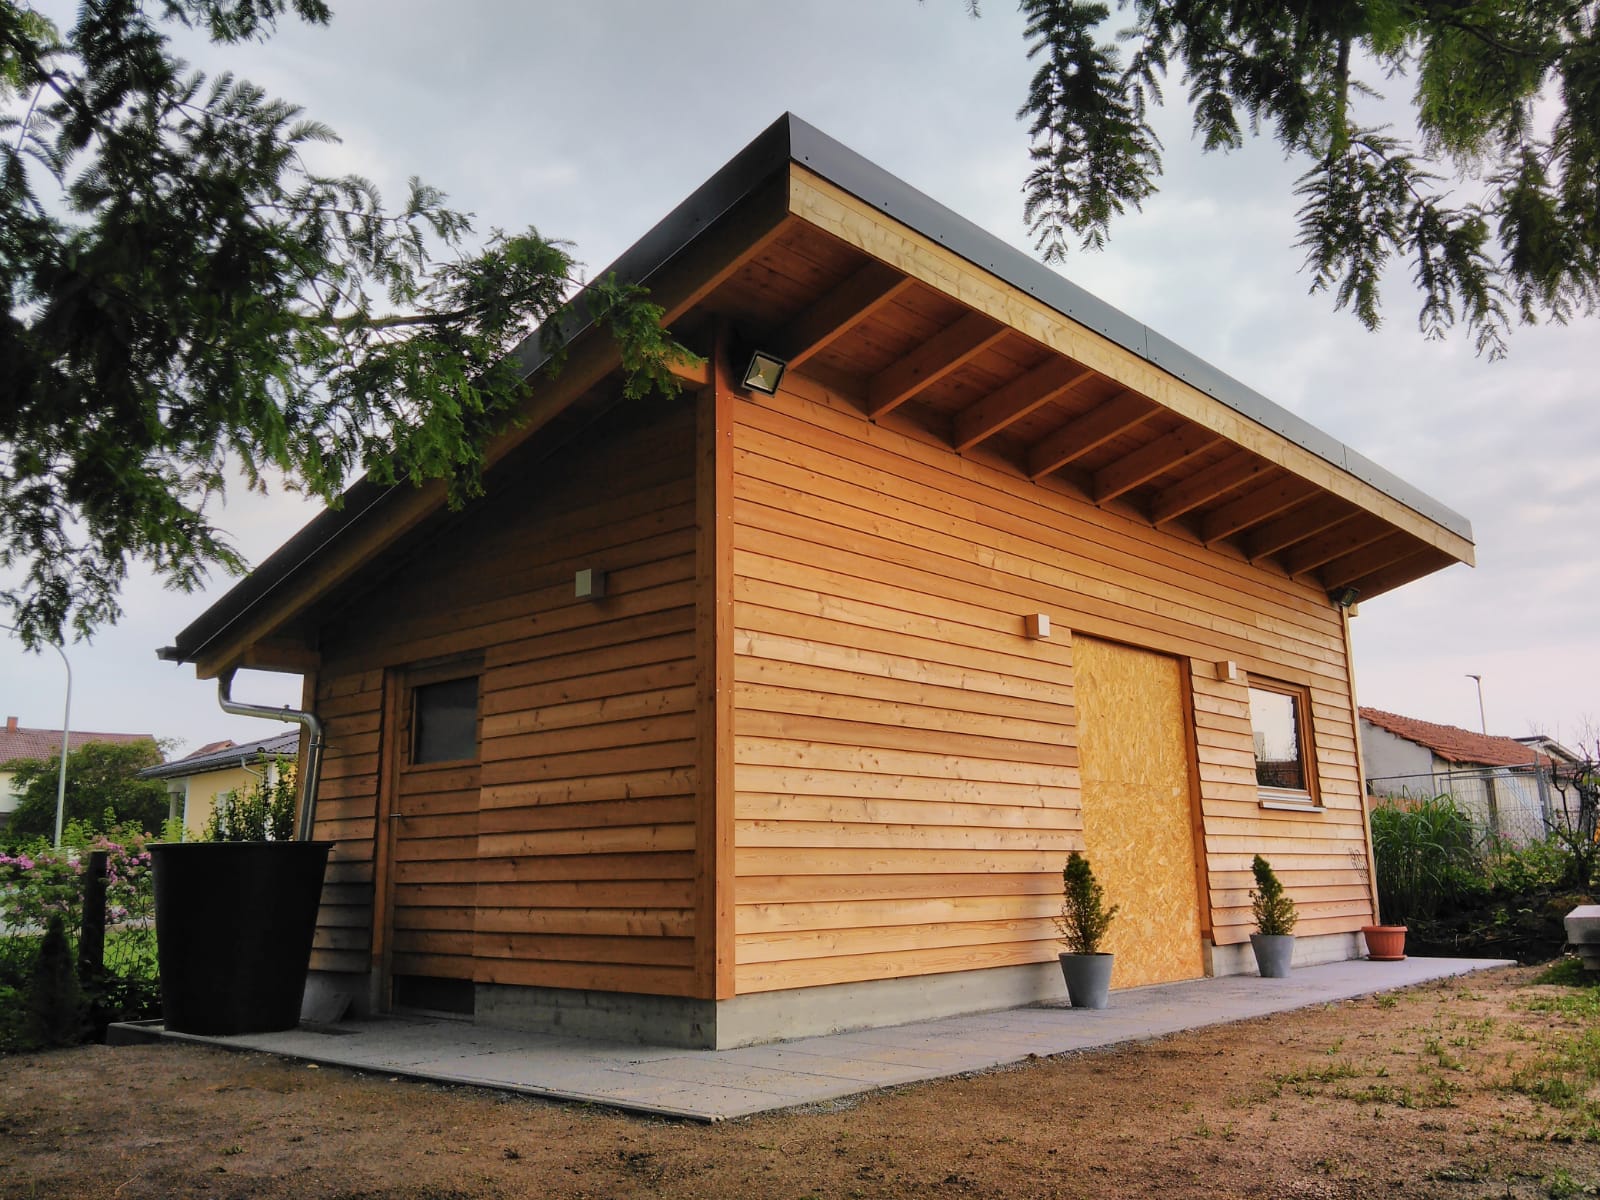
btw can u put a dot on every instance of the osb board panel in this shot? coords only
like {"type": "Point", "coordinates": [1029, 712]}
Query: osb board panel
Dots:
{"type": "Point", "coordinates": [1134, 767]}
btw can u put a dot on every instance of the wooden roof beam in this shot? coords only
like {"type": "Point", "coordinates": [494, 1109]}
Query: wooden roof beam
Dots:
{"type": "Point", "coordinates": [281, 654]}
{"type": "Point", "coordinates": [1239, 515]}
{"type": "Point", "coordinates": [1206, 485]}
{"type": "Point", "coordinates": [1345, 539]}
{"type": "Point", "coordinates": [1425, 561]}
{"type": "Point", "coordinates": [853, 301]}
{"type": "Point", "coordinates": [930, 362]}
{"type": "Point", "coordinates": [1017, 399]}
{"type": "Point", "coordinates": [1301, 523]}
{"type": "Point", "coordinates": [1124, 411]}
{"type": "Point", "coordinates": [1145, 463]}
{"type": "Point", "coordinates": [1351, 568]}
{"type": "Point", "coordinates": [831, 208]}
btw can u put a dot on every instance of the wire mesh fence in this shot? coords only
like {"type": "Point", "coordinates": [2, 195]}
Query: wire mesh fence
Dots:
{"type": "Point", "coordinates": [1509, 806]}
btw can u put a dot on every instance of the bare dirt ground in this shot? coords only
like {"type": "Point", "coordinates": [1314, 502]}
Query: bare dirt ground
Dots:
{"type": "Point", "coordinates": [1478, 1087]}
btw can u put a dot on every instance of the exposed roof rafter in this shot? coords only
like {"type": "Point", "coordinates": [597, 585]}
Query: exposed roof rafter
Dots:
{"type": "Point", "coordinates": [1023, 395]}
{"type": "Point", "coordinates": [1206, 485]}
{"type": "Point", "coordinates": [1145, 463]}
{"type": "Point", "coordinates": [1301, 523]}
{"type": "Point", "coordinates": [852, 302]}
{"type": "Point", "coordinates": [1346, 539]}
{"type": "Point", "coordinates": [930, 362]}
{"type": "Point", "coordinates": [1261, 505]}
{"type": "Point", "coordinates": [1078, 437]}
{"type": "Point", "coordinates": [1385, 552]}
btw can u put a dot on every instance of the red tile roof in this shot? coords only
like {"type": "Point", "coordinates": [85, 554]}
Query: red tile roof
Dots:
{"type": "Point", "coordinates": [18, 742]}
{"type": "Point", "coordinates": [1454, 744]}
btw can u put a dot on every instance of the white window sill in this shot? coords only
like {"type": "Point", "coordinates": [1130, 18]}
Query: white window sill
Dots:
{"type": "Point", "coordinates": [1291, 803]}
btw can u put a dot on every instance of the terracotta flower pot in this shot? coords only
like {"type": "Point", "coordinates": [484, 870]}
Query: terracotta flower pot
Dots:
{"type": "Point", "coordinates": [1385, 943]}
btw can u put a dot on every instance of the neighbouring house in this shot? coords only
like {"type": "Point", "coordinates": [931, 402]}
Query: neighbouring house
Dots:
{"type": "Point", "coordinates": [17, 741]}
{"type": "Point", "coordinates": [195, 781]}
{"type": "Point", "coordinates": [776, 707]}
{"type": "Point", "coordinates": [1502, 783]}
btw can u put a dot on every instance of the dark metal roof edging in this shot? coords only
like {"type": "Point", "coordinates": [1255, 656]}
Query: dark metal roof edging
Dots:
{"type": "Point", "coordinates": [790, 139]}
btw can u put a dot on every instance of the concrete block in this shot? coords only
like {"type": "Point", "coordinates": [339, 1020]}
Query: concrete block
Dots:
{"type": "Point", "coordinates": [614, 1016]}
{"type": "Point", "coordinates": [1583, 934]}
{"type": "Point", "coordinates": [1239, 959]}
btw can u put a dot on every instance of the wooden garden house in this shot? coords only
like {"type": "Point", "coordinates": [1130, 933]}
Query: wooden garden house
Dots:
{"type": "Point", "coordinates": [737, 715]}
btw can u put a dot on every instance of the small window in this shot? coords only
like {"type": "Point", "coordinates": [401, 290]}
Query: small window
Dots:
{"type": "Point", "coordinates": [444, 725]}
{"type": "Point", "coordinates": [1278, 729]}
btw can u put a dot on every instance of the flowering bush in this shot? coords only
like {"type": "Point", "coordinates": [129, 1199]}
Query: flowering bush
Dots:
{"type": "Point", "coordinates": [39, 882]}
{"type": "Point", "coordinates": [40, 885]}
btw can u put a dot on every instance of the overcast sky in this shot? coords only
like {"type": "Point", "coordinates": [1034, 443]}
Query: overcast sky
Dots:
{"type": "Point", "coordinates": [592, 120]}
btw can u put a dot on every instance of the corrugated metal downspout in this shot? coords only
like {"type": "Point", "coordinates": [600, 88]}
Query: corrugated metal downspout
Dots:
{"type": "Point", "coordinates": [308, 720]}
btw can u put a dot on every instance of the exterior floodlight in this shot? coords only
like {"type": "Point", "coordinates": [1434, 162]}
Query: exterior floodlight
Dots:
{"type": "Point", "coordinates": [1345, 597]}
{"type": "Point", "coordinates": [764, 373]}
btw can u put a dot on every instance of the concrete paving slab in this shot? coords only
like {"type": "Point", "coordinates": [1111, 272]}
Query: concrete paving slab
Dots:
{"type": "Point", "coordinates": [713, 1085]}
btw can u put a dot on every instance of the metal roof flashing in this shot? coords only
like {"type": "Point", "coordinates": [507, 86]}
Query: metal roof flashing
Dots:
{"type": "Point", "coordinates": [791, 140]}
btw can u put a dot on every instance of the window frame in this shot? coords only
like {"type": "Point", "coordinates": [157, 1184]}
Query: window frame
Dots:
{"type": "Point", "coordinates": [1308, 798]}
{"type": "Point", "coordinates": [415, 683]}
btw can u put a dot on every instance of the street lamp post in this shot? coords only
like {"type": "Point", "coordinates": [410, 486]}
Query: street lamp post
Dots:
{"type": "Point", "coordinates": [66, 730]}
{"type": "Point", "coordinates": [1483, 724]}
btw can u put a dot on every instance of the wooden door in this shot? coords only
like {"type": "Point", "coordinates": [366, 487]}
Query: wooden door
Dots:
{"type": "Point", "coordinates": [1138, 808]}
{"type": "Point", "coordinates": [433, 841]}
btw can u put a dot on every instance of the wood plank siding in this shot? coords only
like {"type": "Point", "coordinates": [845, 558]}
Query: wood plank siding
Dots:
{"type": "Point", "coordinates": [565, 857]}
{"type": "Point", "coordinates": [907, 772]}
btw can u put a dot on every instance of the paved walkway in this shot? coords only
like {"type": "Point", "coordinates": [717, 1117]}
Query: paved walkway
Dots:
{"type": "Point", "coordinates": [713, 1085]}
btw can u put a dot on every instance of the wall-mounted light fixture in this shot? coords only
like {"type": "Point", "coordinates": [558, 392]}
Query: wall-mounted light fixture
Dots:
{"type": "Point", "coordinates": [589, 584]}
{"type": "Point", "coordinates": [1345, 597]}
{"type": "Point", "coordinates": [1037, 625]}
{"type": "Point", "coordinates": [764, 373]}
{"type": "Point", "coordinates": [1228, 671]}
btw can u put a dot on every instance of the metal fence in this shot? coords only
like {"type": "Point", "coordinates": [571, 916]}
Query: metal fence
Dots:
{"type": "Point", "coordinates": [1511, 805]}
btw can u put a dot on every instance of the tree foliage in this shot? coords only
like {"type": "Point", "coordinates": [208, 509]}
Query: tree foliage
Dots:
{"type": "Point", "coordinates": [186, 297]}
{"type": "Point", "coordinates": [1493, 200]}
{"type": "Point", "coordinates": [103, 789]}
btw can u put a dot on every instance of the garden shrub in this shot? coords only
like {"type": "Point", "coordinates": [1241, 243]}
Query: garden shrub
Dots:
{"type": "Point", "coordinates": [54, 1013]}
{"type": "Point", "coordinates": [41, 890]}
{"type": "Point", "coordinates": [265, 813]}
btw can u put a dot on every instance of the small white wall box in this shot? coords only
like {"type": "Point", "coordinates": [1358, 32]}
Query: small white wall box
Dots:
{"type": "Point", "coordinates": [1228, 671]}
{"type": "Point", "coordinates": [590, 584]}
{"type": "Point", "coordinates": [1037, 625]}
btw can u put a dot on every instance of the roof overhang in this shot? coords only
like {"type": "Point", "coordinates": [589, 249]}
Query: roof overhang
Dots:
{"type": "Point", "coordinates": [923, 320]}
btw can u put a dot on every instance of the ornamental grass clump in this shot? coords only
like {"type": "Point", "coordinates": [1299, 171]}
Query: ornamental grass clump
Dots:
{"type": "Point", "coordinates": [1084, 917]}
{"type": "Point", "coordinates": [1274, 912]}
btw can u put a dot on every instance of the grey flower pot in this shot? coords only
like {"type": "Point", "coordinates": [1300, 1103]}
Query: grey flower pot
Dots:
{"type": "Point", "coordinates": [1088, 979]}
{"type": "Point", "coordinates": [1274, 953]}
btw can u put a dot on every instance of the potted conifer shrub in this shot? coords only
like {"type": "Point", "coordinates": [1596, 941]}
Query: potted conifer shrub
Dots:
{"type": "Point", "coordinates": [236, 914]}
{"type": "Point", "coordinates": [1275, 916]}
{"type": "Point", "coordinates": [1083, 923]}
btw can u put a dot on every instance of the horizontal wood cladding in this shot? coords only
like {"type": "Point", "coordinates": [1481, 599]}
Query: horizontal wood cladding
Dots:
{"type": "Point", "coordinates": [906, 757]}
{"type": "Point", "coordinates": [567, 860]}
{"type": "Point", "coordinates": [351, 707]}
